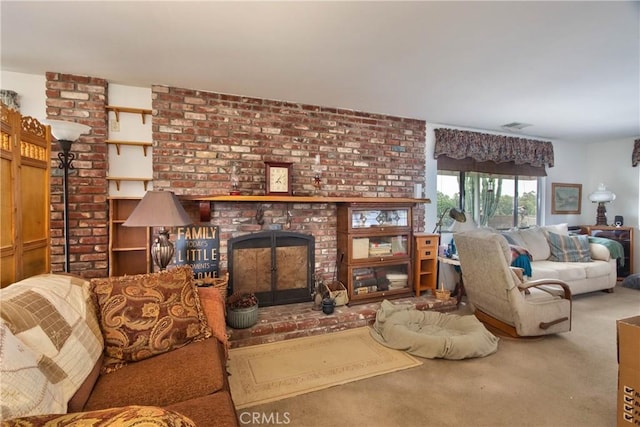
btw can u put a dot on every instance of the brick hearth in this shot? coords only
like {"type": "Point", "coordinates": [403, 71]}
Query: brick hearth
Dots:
{"type": "Point", "coordinates": [283, 322]}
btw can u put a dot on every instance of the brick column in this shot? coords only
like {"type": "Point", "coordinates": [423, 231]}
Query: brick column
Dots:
{"type": "Point", "coordinates": [80, 99]}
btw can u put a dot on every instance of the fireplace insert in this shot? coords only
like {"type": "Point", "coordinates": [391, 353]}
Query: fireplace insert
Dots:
{"type": "Point", "coordinates": [276, 265]}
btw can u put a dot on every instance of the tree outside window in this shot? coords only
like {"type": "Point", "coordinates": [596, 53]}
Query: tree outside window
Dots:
{"type": "Point", "coordinates": [496, 201]}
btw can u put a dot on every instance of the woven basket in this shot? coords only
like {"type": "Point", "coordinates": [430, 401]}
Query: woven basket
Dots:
{"type": "Point", "coordinates": [220, 283]}
{"type": "Point", "coordinates": [338, 292]}
{"type": "Point", "coordinates": [443, 294]}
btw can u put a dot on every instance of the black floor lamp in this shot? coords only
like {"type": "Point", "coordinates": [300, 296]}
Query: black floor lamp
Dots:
{"type": "Point", "coordinates": [456, 214]}
{"type": "Point", "coordinates": [66, 133]}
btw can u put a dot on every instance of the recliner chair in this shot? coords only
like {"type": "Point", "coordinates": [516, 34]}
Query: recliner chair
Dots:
{"type": "Point", "coordinates": [500, 298]}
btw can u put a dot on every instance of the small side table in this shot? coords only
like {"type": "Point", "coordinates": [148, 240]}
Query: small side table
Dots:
{"type": "Point", "coordinates": [425, 262]}
{"type": "Point", "coordinates": [459, 289]}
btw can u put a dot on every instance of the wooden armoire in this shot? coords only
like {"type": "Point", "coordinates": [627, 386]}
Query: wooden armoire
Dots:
{"type": "Point", "coordinates": [25, 152]}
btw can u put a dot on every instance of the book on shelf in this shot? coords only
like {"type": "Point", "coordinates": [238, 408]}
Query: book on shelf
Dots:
{"type": "Point", "coordinates": [364, 276]}
{"type": "Point", "coordinates": [365, 282]}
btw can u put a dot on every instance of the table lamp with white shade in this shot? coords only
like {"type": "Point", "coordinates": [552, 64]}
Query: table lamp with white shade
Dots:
{"type": "Point", "coordinates": [602, 196]}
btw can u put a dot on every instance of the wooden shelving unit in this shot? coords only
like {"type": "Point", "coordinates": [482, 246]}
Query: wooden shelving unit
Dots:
{"type": "Point", "coordinates": [119, 179]}
{"type": "Point", "coordinates": [129, 247]}
{"type": "Point", "coordinates": [142, 144]}
{"type": "Point", "coordinates": [117, 110]}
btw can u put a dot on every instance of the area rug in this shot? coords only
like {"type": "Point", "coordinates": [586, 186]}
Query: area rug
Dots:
{"type": "Point", "coordinates": [268, 372]}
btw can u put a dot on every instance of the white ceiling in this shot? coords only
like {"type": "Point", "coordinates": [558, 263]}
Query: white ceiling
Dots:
{"type": "Point", "coordinates": [571, 69]}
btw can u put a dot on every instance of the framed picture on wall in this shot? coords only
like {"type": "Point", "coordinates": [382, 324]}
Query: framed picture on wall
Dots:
{"type": "Point", "coordinates": [566, 198]}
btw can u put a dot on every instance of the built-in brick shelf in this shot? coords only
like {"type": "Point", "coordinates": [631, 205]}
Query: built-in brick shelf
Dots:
{"type": "Point", "coordinates": [288, 321]}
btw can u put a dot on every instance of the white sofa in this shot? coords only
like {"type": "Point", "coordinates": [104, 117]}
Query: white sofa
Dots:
{"type": "Point", "coordinates": [597, 274]}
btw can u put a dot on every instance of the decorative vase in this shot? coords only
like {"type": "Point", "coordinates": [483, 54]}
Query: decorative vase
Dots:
{"type": "Point", "coordinates": [241, 318]}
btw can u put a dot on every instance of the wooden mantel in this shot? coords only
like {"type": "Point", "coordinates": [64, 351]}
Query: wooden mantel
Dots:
{"type": "Point", "coordinates": [304, 199]}
{"type": "Point", "coordinates": [205, 201]}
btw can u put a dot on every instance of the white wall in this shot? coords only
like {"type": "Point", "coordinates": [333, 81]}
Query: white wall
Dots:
{"type": "Point", "coordinates": [570, 160]}
{"type": "Point", "coordinates": [31, 91]}
{"type": "Point", "coordinates": [610, 164]}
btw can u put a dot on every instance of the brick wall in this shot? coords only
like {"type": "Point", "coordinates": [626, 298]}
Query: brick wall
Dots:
{"type": "Point", "coordinates": [83, 100]}
{"type": "Point", "coordinates": [198, 136]}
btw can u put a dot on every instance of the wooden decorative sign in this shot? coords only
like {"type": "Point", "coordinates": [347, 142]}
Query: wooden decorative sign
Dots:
{"type": "Point", "coordinates": [199, 247]}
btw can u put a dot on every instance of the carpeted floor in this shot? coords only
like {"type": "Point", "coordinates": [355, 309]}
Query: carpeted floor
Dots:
{"type": "Point", "coordinates": [268, 372]}
{"type": "Point", "coordinates": [563, 380]}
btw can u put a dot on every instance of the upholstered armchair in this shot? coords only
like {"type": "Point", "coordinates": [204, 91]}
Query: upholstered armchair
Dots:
{"type": "Point", "coordinates": [498, 295]}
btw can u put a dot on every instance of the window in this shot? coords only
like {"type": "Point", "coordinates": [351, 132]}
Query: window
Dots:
{"type": "Point", "coordinates": [497, 201]}
{"type": "Point", "coordinates": [448, 195]}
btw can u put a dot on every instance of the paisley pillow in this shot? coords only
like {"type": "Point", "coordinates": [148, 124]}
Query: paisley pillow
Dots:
{"type": "Point", "coordinates": [127, 416]}
{"type": "Point", "coordinates": [148, 314]}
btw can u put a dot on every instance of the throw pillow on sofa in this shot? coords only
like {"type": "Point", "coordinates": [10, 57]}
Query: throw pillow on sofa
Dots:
{"type": "Point", "coordinates": [148, 314]}
{"type": "Point", "coordinates": [569, 248]}
{"type": "Point", "coordinates": [127, 416]}
{"type": "Point", "coordinates": [513, 237]}
{"type": "Point", "coordinates": [562, 229]}
{"type": "Point", "coordinates": [535, 241]}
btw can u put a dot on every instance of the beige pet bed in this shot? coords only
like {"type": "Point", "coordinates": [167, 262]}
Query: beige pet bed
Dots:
{"type": "Point", "coordinates": [431, 334]}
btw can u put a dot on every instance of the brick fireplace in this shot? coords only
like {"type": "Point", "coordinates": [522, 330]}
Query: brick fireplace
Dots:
{"type": "Point", "coordinates": [199, 137]}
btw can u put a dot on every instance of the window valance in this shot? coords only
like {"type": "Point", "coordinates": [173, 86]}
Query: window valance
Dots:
{"type": "Point", "coordinates": [635, 157]}
{"type": "Point", "coordinates": [481, 152]}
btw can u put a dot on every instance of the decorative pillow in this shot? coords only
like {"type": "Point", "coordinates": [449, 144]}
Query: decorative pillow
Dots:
{"type": "Point", "coordinates": [569, 248]}
{"type": "Point", "coordinates": [557, 228]}
{"type": "Point", "coordinates": [535, 241]}
{"type": "Point", "coordinates": [27, 385]}
{"type": "Point", "coordinates": [54, 315]}
{"type": "Point", "coordinates": [148, 314]}
{"type": "Point", "coordinates": [513, 237]}
{"type": "Point", "coordinates": [126, 416]}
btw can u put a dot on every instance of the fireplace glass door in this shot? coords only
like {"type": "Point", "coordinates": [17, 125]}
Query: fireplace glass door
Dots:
{"type": "Point", "coordinates": [276, 265]}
